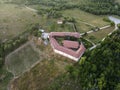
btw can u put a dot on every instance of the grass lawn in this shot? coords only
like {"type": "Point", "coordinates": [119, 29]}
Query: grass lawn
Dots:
{"type": "Point", "coordinates": [98, 36]}
{"type": "Point", "coordinates": [22, 60]}
{"type": "Point", "coordinates": [80, 15]}
{"type": "Point", "coordinates": [14, 20]}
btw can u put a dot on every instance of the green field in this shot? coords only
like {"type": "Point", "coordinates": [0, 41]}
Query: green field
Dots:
{"type": "Point", "coordinates": [98, 36]}
{"type": "Point", "coordinates": [50, 25]}
{"type": "Point", "coordinates": [81, 18]}
{"type": "Point", "coordinates": [22, 60]}
{"type": "Point", "coordinates": [60, 28]}
{"type": "Point", "coordinates": [15, 19]}
{"type": "Point", "coordinates": [81, 27]}
{"type": "Point", "coordinates": [80, 15]}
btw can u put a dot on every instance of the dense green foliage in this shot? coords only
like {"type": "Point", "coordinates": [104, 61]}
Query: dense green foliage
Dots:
{"type": "Point", "coordinates": [5, 77]}
{"type": "Point", "coordinates": [101, 7]}
{"type": "Point", "coordinates": [118, 26]}
{"type": "Point", "coordinates": [99, 69]}
{"type": "Point", "coordinates": [98, 7]}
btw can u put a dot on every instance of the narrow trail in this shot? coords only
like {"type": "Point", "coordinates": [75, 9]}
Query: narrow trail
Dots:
{"type": "Point", "coordinates": [31, 9]}
{"type": "Point", "coordinates": [87, 23]}
{"type": "Point", "coordinates": [90, 42]}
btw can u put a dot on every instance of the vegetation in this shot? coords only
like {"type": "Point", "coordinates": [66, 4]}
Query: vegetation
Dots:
{"type": "Point", "coordinates": [96, 37]}
{"type": "Point", "coordinates": [14, 20]}
{"type": "Point", "coordinates": [98, 69]}
{"type": "Point", "coordinates": [20, 61]}
{"type": "Point", "coordinates": [5, 77]}
{"type": "Point", "coordinates": [101, 7]}
{"type": "Point", "coordinates": [41, 75]}
{"type": "Point", "coordinates": [118, 26]}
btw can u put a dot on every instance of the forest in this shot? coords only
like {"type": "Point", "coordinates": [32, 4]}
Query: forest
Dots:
{"type": "Point", "coordinates": [98, 7]}
{"type": "Point", "coordinates": [101, 7]}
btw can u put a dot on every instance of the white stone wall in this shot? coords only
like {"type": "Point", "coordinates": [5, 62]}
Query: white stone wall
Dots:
{"type": "Point", "coordinates": [66, 55]}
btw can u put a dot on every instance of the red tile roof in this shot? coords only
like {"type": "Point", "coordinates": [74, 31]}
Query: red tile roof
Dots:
{"type": "Point", "coordinates": [63, 34]}
{"type": "Point", "coordinates": [57, 46]}
{"type": "Point", "coordinates": [70, 44]}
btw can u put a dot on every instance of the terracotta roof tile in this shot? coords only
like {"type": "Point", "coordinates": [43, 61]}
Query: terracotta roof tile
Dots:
{"type": "Point", "coordinates": [70, 44]}
{"type": "Point", "coordinates": [57, 46]}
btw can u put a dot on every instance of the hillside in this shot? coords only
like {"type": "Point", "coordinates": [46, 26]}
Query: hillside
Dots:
{"type": "Point", "coordinates": [98, 69]}
{"type": "Point", "coordinates": [27, 61]}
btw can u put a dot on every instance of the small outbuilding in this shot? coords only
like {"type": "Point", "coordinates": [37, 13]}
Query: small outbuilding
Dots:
{"type": "Point", "coordinates": [60, 22]}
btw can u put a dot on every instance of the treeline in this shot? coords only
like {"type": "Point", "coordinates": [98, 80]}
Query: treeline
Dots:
{"type": "Point", "coordinates": [99, 69]}
{"type": "Point", "coordinates": [12, 44]}
{"type": "Point", "coordinates": [98, 7]}
{"type": "Point", "coordinates": [101, 7]}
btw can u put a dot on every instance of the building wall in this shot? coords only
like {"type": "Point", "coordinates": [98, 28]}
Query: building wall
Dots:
{"type": "Point", "coordinates": [66, 55]}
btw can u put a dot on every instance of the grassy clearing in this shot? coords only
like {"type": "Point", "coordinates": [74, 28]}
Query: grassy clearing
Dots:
{"type": "Point", "coordinates": [22, 60]}
{"type": "Point", "coordinates": [98, 36]}
{"type": "Point", "coordinates": [81, 27]}
{"type": "Point", "coordinates": [51, 25]}
{"type": "Point", "coordinates": [14, 19]}
{"type": "Point", "coordinates": [80, 15]}
{"type": "Point", "coordinates": [61, 28]}
{"type": "Point", "coordinates": [40, 77]}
